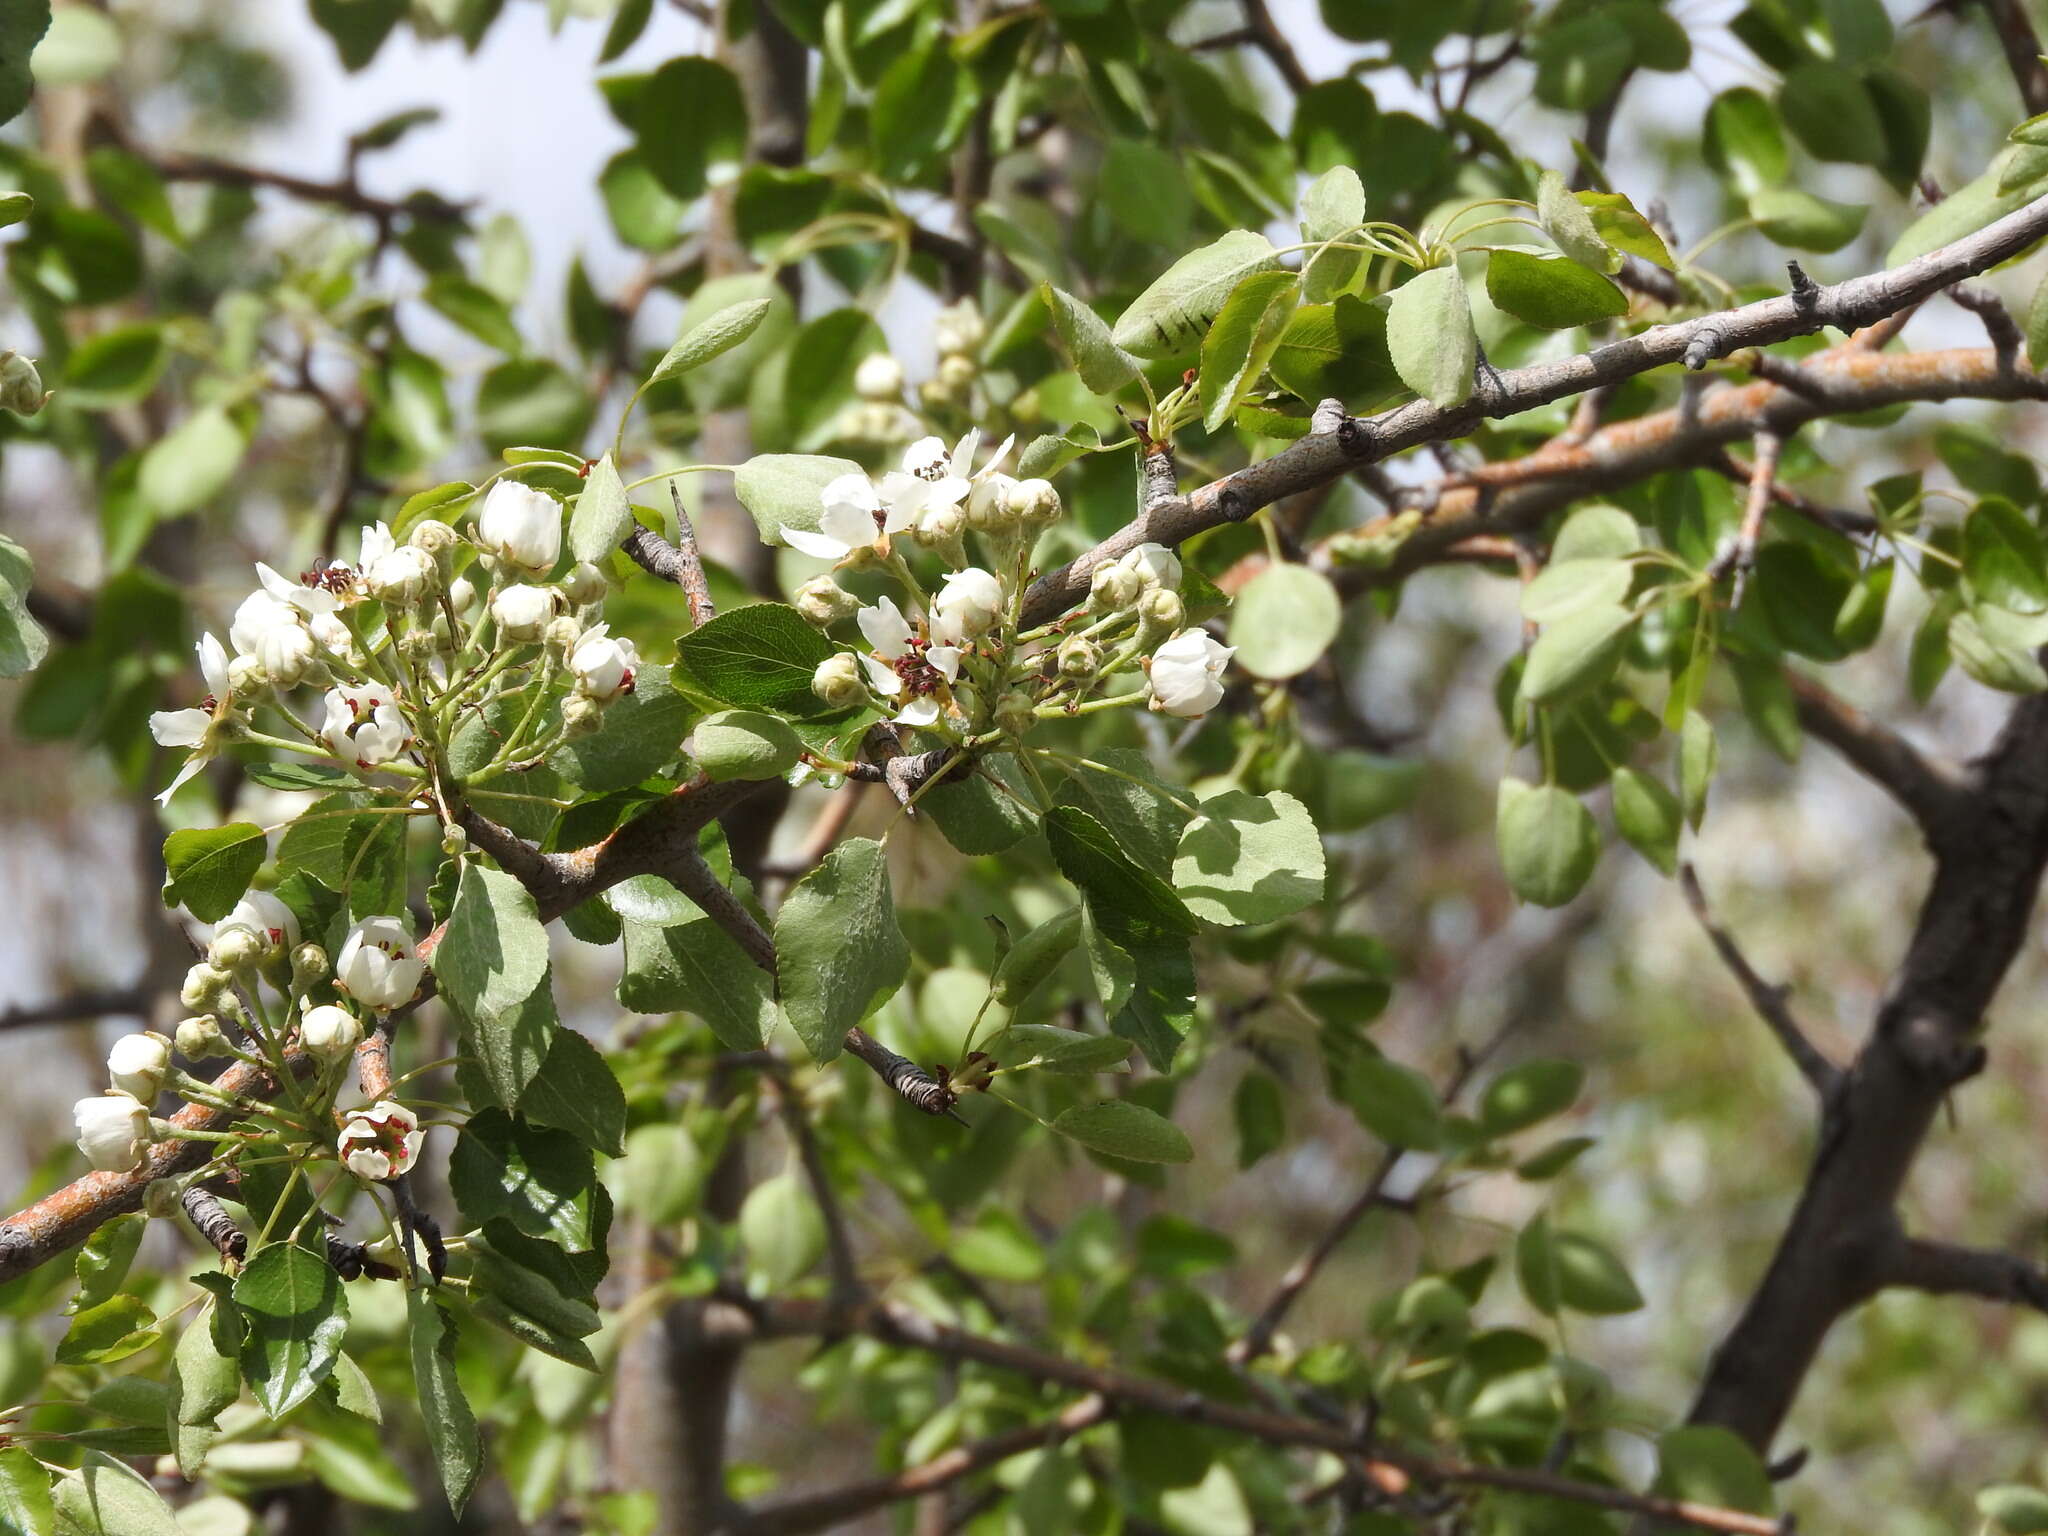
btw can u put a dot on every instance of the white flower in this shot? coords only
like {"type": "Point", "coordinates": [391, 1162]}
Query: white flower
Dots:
{"type": "Point", "coordinates": [852, 519]}
{"type": "Point", "coordinates": [264, 915]}
{"type": "Point", "coordinates": [259, 611]}
{"type": "Point", "coordinates": [285, 652]}
{"type": "Point", "coordinates": [837, 681]}
{"type": "Point", "coordinates": [138, 1064]}
{"type": "Point", "coordinates": [988, 504]}
{"type": "Point", "coordinates": [521, 526]}
{"type": "Point", "coordinates": [1187, 672]}
{"type": "Point", "coordinates": [928, 458]}
{"type": "Point", "coordinates": [376, 543]}
{"type": "Point", "coordinates": [523, 612]}
{"type": "Point", "coordinates": [364, 726]}
{"type": "Point", "coordinates": [329, 1033]}
{"type": "Point", "coordinates": [296, 595]}
{"type": "Point", "coordinates": [886, 628]}
{"type": "Point", "coordinates": [401, 574]}
{"type": "Point", "coordinates": [967, 605]}
{"type": "Point", "coordinates": [197, 728]}
{"type": "Point", "coordinates": [879, 377]}
{"type": "Point", "coordinates": [1154, 565]}
{"type": "Point", "coordinates": [377, 966]}
{"type": "Point", "coordinates": [380, 1142]}
{"type": "Point", "coordinates": [894, 640]}
{"type": "Point", "coordinates": [603, 666]}
{"type": "Point", "coordinates": [113, 1131]}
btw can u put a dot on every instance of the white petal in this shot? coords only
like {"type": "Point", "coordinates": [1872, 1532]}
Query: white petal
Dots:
{"type": "Point", "coordinates": [881, 678]}
{"type": "Point", "coordinates": [924, 711]}
{"type": "Point", "coordinates": [850, 525]}
{"type": "Point", "coordinates": [996, 460]}
{"type": "Point", "coordinates": [821, 545]}
{"type": "Point", "coordinates": [192, 766]}
{"type": "Point", "coordinates": [179, 727]}
{"type": "Point", "coordinates": [962, 459]}
{"type": "Point", "coordinates": [213, 666]}
{"type": "Point", "coordinates": [886, 628]}
{"type": "Point", "coordinates": [945, 659]}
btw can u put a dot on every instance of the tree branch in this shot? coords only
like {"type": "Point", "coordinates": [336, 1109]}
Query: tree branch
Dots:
{"type": "Point", "coordinates": [679, 563]}
{"type": "Point", "coordinates": [2022, 51]}
{"type": "Point", "coordinates": [1767, 998]}
{"type": "Point", "coordinates": [76, 1007]}
{"type": "Point", "coordinates": [1934, 791]}
{"type": "Point", "coordinates": [1948, 1269]}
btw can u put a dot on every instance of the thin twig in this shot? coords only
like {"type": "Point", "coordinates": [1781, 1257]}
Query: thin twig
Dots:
{"type": "Point", "coordinates": [1997, 320]}
{"type": "Point", "coordinates": [76, 1008]}
{"type": "Point", "coordinates": [1767, 998]}
{"type": "Point", "coordinates": [1936, 791]}
{"type": "Point", "coordinates": [1740, 557]}
{"type": "Point", "coordinates": [679, 563]}
{"type": "Point", "coordinates": [1948, 1269]}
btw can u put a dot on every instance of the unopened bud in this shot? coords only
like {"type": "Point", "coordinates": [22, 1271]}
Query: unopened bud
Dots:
{"type": "Point", "coordinates": [879, 377]}
{"type": "Point", "coordinates": [959, 329]}
{"type": "Point", "coordinates": [1161, 611]}
{"type": "Point", "coordinates": [434, 537]}
{"type": "Point", "coordinates": [585, 584]}
{"type": "Point", "coordinates": [1015, 713]}
{"type": "Point", "coordinates": [1113, 589]}
{"type": "Point", "coordinates": [246, 675]}
{"type": "Point", "coordinates": [204, 987]}
{"type": "Point", "coordinates": [934, 395]}
{"type": "Point", "coordinates": [309, 966]}
{"type": "Point", "coordinates": [823, 602]}
{"type": "Point", "coordinates": [418, 645]}
{"type": "Point", "coordinates": [1079, 658]}
{"type": "Point", "coordinates": [581, 715]}
{"type": "Point", "coordinates": [957, 373]}
{"type": "Point", "coordinates": [838, 682]}
{"type": "Point", "coordinates": [21, 387]}
{"type": "Point", "coordinates": [1036, 502]}
{"type": "Point", "coordinates": [235, 949]}
{"type": "Point", "coordinates": [199, 1037]}
{"type": "Point", "coordinates": [462, 594]}
{"type": "Point", "coordinates": [988, 504]}
{"type": "Point", "coordinates": [454, 841]}
{"type": "Point", "coordinates": [563, 633]}
{"type": "Point", "coordinates": [160, 1199]}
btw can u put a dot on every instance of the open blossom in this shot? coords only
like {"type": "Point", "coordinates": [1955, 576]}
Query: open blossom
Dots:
{"type": "Point", "coordinates": [603, 666]}
{"type": "Point", "coordinates": [113, 1131]}
{"type": "Point", "coordinates": [521, 526]}
{"type": "Point", "coordinates": [138, 1064]}
{"type": "Point", "coordinates": [264, 915]}
{"type": "Point", "coordinates": [377, 965]}
{"type": "Point", "coordinates": [967, 605]}
{"type": "Point", "coordinates": [380, 1142]}
{"type": "Point", "coordinates": [363, 725]}
{"type": "Point", "coordinates": [903, 664]}
{"type": "Point", "coordinates": [853, 518]}
{"type": "Point", "coordinates": [329, 1033]}
{"type": "Point", "coordinates": [198, 728]}
{"type": "Point", "coordinates": [861, 514]}
{"type": "Point", "coordinates": [1187, 673]}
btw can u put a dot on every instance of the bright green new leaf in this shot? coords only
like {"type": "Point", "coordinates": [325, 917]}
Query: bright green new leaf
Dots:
{"type": "Point", "coordinates": [1576, 652]}
{"type": "Point", "coordinates": [1430, 336]}
{"type": "Point", "coordinates": [1283, 620]}
{"type": "Point", "coordinates": [1562, 1270]}
{"type": "Point", "coordinates": [1997, 650]}
{"type": "Point", "coordinates": [1647, 816]}
{"type": "Point", "coordinates": [1249, 859]}
{"type": "Point", "coordinates": [1170, 317]}
{"type": "Point", "coordinates": [208, 868]}
{"type": "Point", "coordinates": [1549, 290]}
{"type": "Point", "coordinates": [1548, 842]}
{"type": "Point", "coordinates": [1119, 1128]}
{"type": "Point", "coordinates": [193, 463]}
{"type": "Point", "coordinates": [786, 490]}
{"type": "Point", "coordinates": [1744, 142]}
{"type": "Point", "coordinates": [783, 1231]}
{"type": "Point", "coordinates": [294, 1315]}
{"type": "Point", "coordinates": [1618, 223]}
{"type": "Point", "coordinates": [23, 645]}
{"type": "Point", "coordinates": [2004, 558]}
{"type": "Point", "coordinates": [492, 966]}
{"type": "Point", "coordinates": [1524, 1095]}
{"type": "Point", "coordinates": [1795, 217]}
{"type": "Point", "coordinates": [1104, 366]}
{"type": "Point", "coordinates": [1332, 207]}
{"type": "Point", "coordinates": [744, 744]}
{"type": "Point", "coordinates": [107, 1497]}
{"type": "Point", "coordinates": [1567, 221]}
{"type": "Point", "coordinates": [1564, 587]}
{"type": "Point", "coordinates": [838, 951]}
{"type": "Point", "coordinates": [603, 516]}
{"type": "Point", "coordinates": [25, 1504]}
{"type": "Point", "coordinates": [1699, 754]}
{"type": "Point", "coordinates": [709, 338]}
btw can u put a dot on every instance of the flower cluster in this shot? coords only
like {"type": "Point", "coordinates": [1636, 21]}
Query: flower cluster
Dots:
{"type": "Point", "coordinates": [405, 640]}
{"type": "Point", "coordinates": [951, 656]}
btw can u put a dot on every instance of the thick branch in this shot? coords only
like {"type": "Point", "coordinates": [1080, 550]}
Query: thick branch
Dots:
{"type": "Point", "coordinates": [1768, 999]}
{"type": "Point", "coordinates": [1947, 1269]}
{"type": "Point", "coordinates": [1935, 791]}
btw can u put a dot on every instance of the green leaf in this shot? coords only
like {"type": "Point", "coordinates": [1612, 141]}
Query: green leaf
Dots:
{"type": "Point", "coordinates": [475, 309]}
{"type": "Point", "coordinates": [1829, 111]}
{"type": "Point", "coordinates": [116, 367]}
{"type": "Point", "coordinates": [1242, 341]}
{"type": "Point", "coordinates": [1048, 1048]}
{"type": "Point", "coordinates": [1526, 1094]}
{"type": "Point", "coordinates": [697, 967]}
{"type": "Point", "coordinates": [1617, 222]}
{"type": "Point", "coordinates": [1576, 652]}
{"type": "Point", "coordinates": [208, 1378]}
{"type": "Point", "coordinates": [662, 1176]}
{"type": "Point", "coordinates": [1430, 336]}
{"type": "Point", "coordinates": [1395, 1102]}
{"type": "Point", "coordinates": [2037, 327]}
{"type": "Point", "coordinates": [691, 123]}
{"type": "Point", "coordinates": [22, 26]}
{"type": "Point", "coordinates": [783, 1231]}
{"type": "Point", "coordinates": [576, 1091]}
{"type": "Point", "coordinates": [540, 1280]}
{"type": "Point", "coordinates": [1707, 1464]}
{"type": "Point", "coordinates": [1133, 805]}
{"type": "Point", "coordinates": [14, 207]}
{"type": "Point", "coordinates": [839, 954]}
{"type": "Point", "coordinates": [1647, 815]}
{"type": "Point", "coordinates": [1259, 1110]}
{"type": "Point", "coordinates": [25, 1505]}
{"type": "Point", "coordinates": [1249, 859]}
{"type": "Point", "coordinates": [1996, 650]}
{"type": "Point", "coordinates": [192, 463]}
{"type": "Point", "coordinates": [1104, 366]}
{"type": "Point", "coordinates": [1567, 221]}
{"type": "Point", "coordinates": [757, 657]}
{"type": "Point", "coordinates": [1089, 856]}
{"type": "Point", "coordinates": [709, 338]}
{"type": "Point", "coordinates": [1337, 351]}
{"type": "Point", "coordinates": [1562, 1270]}
{"type": "Point", "coordinates": [492, 966]}
{"type": "Point", "coordinates": [922, 103]}
{"type": "Point", "coordinates": [603, 515]}
{"type": "Point", "coordinates": [23, 645]}
{"type": "Point", "coordinates": [208, 868]}
{"type": "Point", "coordinates": [1596, 533]}
{"type": "Point", "coordinates": [294, 1315]}
{"type": "Point", "coordinates": [786, 490]}
{"type": "Point", "coordinates": [1332, 207]}
{"type": "Point", "coordinates": [2014, 1508]}
{"type": "Point", "coordinates": [1119, 1128]}
{"type": "Point", "coordinates": [1699, 754]}
{"type": "Point", "coordinates": [105, 1497]}
{"type": "Point", "coordinates": [642, 734]}
{"type": "Point", "coordinates": [1744, 142]}
{"type": "Point", "coordinates": [104, 1260]}
{"type": "Point", "coordinates": [1804, 221]}
{"type": "Point", "coordinates": [111, 1330]}
{"type": "Point", "coordinates": [1283, 620]}
{"type": "Point", "coordinates": [1548, 842]}
{"type": "Point", "coordinates": [1169, 318]}
{"type": "Point", "coordinates": [2004, 558]}
{"type": "Point", "coordinates": [1564, 587]}
{"type": "Point", "coordinates": [744, 744]}
{"type": "Point", "coordinates": [451, 1427]}
{"type": "Point", "coordinates": [1549, 290]}
{"type": "Point", "coordinates": [542, 1181]}
{"type": "Point", "coordinates": [1974, 204]}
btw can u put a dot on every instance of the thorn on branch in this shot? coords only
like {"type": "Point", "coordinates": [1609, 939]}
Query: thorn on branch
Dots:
{"type": "Point", "coordinates": [1805, 291]}
{"type": "Point", "coordinates": [679, 563]}
{"type": "Point", "coordinates": [1705, 344]}
{"type": "Point", "coordinates": [1767, 998]}
{"type": "Point", "coordinates": [1949, 1269]}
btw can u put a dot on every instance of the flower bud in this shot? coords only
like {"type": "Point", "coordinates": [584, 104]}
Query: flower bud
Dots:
{"type": "Point", "coordinates": [521, 526]}
{"type": "Point", "coordinates": [21, 387]}
{"type": "Point", "coordinates": [246, 675]}
{"type": "Point", "coordinates": [1187, 674]}
{"type": "Point", "coordinates": [235, 949]}
{"type": "Point", "coordinates": [161, 1199]}
{"type": "Point", "coordinates": [419, 645]}
{"type": "Point", "coordinates": [1036, 503]}
{"type": "Point", "coordinates": [286, 652]}
{"type": "Point", "coordinates": [434, 537]}
{"type": "Point", "coordinates": [138, 1064]}
{"type": "Point", "coordinates": [988, 504]}
{"type": "Point", "coordinates": [309, 967]}
{"type": "Point", "coordinates": [603, 664]}
{"type": "Point", "coordinates": [204, 987]}
{"type": "Point", "coordinates": [523, 612]}
{"type": "Point", "coordinates": [1015, 713]}
{"type": "Point", "coordinates": [329, 1033]}
{"type": "Point", "coordinates": [113, 1131]}
{"type": "Point", "coordinates": [454, 841]}
{"type": "Point", "coordinates": [822, 601]}
{"type": "Point", "coordinates": [933, 395]}
{"type": "Point", "coordinates": [879, 377]}
{"type": "Point", "coordinates": [377, 965]}
{"type": "Point", "coordinates": [582, 715]}
{"type": "Point", "coordinates": [1113, 589]}
{"type": "Point", "coordinates": [462, 594]}
{"type": "Point", "coordinates": [956, 373]}
{"type": "Point", "coordinates": [585, 584]}
{"type": "Point", "coordinates": [199, 1037]}
{"type": "Point", "coordinates": [1079, 658]}
{"type": "Point", "coordinates": [404, 578]}
{"type": "Point", "coordinates": [265, 915]}
{"type": "Point", "coordinates": [958, 329]}
{"type": "Point", "coordinates": [939, 527]}
{"type": "Point", "coordinates": [838, 682]}
{"type": "Point", "coordinates": [1154, 565]}
{"type": "Point", "coordinates": [1160, 611]}
{"type": "Point", "coordinates": [564, 632]}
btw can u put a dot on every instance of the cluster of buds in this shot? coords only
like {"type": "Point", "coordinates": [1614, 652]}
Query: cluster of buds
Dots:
{"type": "Point", "coordinates": [950, 657]}
{"type": "Point", "coordinates": [407, 638]}
{"type": "Point", "coordinates": [958, 332]}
